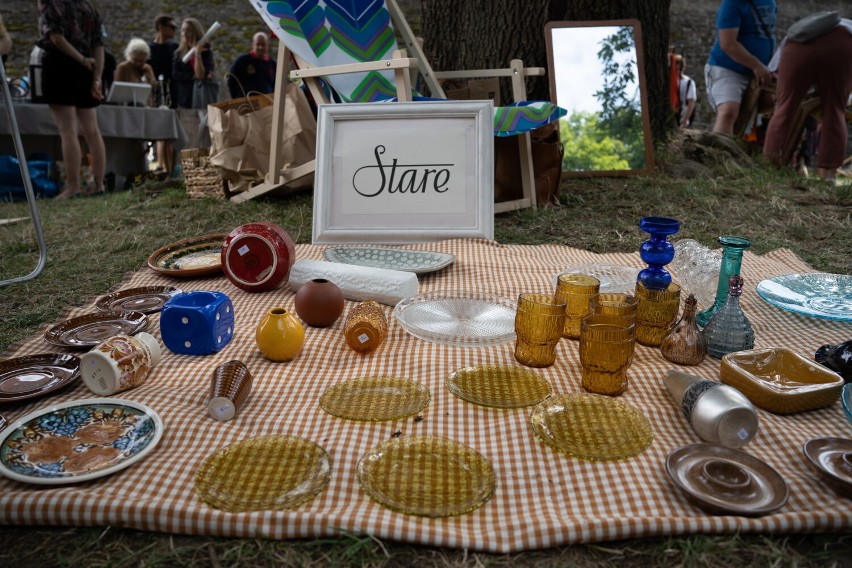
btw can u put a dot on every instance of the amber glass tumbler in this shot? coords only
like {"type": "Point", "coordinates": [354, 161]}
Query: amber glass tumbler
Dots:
{"type": "Point", "coordinates": [656, 311]}
{"type": "Point", "coordinates": [575, 290]}
{"type": "Point", "coordinates": [606, 350]}
{"type": "Point", "coordinates": [539, 322]}
{"type": "Point", "coordinates": [365, 327]}
{"type": "Point", "coordinates": [614, 304]}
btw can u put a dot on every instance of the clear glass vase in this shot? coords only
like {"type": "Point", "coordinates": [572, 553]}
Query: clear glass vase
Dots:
{"type": "Point", "coordinates": [657, 251]}
{"type": "Point", "coordinates": [732, 260]}
{"type": "Point", "coordinates": [729, 329]}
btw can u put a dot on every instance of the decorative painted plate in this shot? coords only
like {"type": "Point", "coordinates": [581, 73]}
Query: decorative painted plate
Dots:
{"type": "Point", "coordinates": [263, 473]}
{"type": "Point", "coordinates": [725, 481]}
{"type": "Point", "coordinates": [591, 427]}
{"type": "Point", "coordinates": [78, 441]}
{"type": "Point", "coordinates": [613, 278]}
{"type": "Point", "coordinates": [832, 458]}
{"type": "Point", "coordinates": [375, 398]}
{"type": "Point", "coordinates": [146, 299]}
{"type": "Point", "coordinates": [499, 386]}
{"type": "Point", "coordinates": [33, 376]}
{"type": "Point", "coordinates": [90, 329]}
{"type": "Point", "coordinates": [819, 295]}
{"type": "Point", "coordinates": [418, 262]}
{"type": "Point", "coordinates": [196, 256]}
{"type": "Point", "coordinates": [462, 319]}
{"type": "Point", "coordinates": [426, 476]}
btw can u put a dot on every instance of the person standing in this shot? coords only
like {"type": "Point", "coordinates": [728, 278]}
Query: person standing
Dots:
{"type": "Point", "coordinates": [162, 54]}
{"type": "Point", "coordinates": [71, 35]}
{"type": "Point", "coordinates": [5, 41]}
{"type": "Point", "coordinates": [253, 71]}
{"type": "Point", "coordinates": [686, 95]}
{"type": "Point", "coordinates": [743, 47]}
{"type": "Point", "coordinates": [824, 62]}
{"type": "Point", "coordinates": [198, 67]}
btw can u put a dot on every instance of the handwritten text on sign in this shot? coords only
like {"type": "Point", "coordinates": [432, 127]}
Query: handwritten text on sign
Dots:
{"type": "Point", "coordinates": [404, 171]}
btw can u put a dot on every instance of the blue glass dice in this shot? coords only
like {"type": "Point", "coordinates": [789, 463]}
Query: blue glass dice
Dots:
{"type": "Point", "coordinates": [197, 323]}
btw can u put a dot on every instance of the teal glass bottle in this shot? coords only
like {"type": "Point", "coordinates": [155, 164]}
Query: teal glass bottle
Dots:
{"type": "Point", "coordinates": [732, 260]}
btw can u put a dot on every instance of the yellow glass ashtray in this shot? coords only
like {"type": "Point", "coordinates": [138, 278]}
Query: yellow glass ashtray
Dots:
{"type": "Point", "coordinates": [780, 381]}
{"type": "Point", "coordinates": [498, 386]}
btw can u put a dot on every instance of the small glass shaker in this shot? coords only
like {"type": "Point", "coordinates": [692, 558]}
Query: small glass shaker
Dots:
{"type": "Point", "coordinates": [365, 327]}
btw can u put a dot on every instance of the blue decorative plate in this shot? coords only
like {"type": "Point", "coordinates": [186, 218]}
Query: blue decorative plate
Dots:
{"type": "Point", "coordinates": [846, 400]}
{"type": "Point", "coordinates": [78, 441]}
{"type": "Point", "coordinates": [819, 295]}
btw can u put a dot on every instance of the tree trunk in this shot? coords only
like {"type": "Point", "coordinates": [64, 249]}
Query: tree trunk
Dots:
{"type": "Point", "coordinates": [489, 33]}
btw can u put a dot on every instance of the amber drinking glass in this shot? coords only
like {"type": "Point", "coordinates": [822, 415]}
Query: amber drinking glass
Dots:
{"type": "Point", "coordinates": [614, 304]}
{"type": "Point", "coordinates": [539, 322]}
{"type": "Point", "coordinates": [365, 327]}
{"type": "Point", "coordinates": [656, 311]}
{"type": "Point", "coordinates": [575, 290]}
{"type": "Point", "coordinates": [606, 350]}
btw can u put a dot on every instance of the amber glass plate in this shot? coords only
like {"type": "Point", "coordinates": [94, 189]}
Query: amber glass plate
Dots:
{"type": "Point", "coordinates": [426, 476]}
{"type": "Point", "coordinates": [375, 399]}
{"type": "Point", "coordinates": [91, 329]}
{"type": "Point", "coordinates": [591, 427]}
{"type": "Point", "coordinates": [499, 386]}
{"type": "Point", "coordinates": [196, 256]}
{"type": "Point", "coordinates": [33, 376]}
{"type": "Point", "coordinates": [263, 473]}
{"type": "Point", "coordinates": [145, 299]}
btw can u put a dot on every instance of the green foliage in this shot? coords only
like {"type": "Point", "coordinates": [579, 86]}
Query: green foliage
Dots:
{"type": "Point", "coordinates": [588, 147]}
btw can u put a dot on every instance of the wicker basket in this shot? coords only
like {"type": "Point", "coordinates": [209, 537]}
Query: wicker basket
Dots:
{"type": "Point", "coordinates": [202, 179]}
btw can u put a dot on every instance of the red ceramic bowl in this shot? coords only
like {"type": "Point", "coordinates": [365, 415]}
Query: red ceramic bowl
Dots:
{"type": "Point", "coordinates": [258, 256]}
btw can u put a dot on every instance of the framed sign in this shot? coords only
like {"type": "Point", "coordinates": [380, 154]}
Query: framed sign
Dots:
{"type": "Point", "coordinates": [404, 172]}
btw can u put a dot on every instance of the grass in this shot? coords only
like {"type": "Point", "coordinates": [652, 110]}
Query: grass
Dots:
{"type": "Point", "coordinates": [92, 243]}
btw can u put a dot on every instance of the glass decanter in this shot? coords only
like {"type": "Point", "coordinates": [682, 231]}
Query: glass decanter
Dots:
{"type": "Point", "coordinates": [657, 251]}
{"type": "Point", "coordinates": [729, 329]}
{"type": "Point", "coordinates": [732, 260]}
{"type": "Point", "coordinates": [684, 343]}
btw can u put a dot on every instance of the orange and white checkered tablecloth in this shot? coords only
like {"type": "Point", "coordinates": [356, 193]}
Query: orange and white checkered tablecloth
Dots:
{"type": "Point", "coordinates": [542, 499]}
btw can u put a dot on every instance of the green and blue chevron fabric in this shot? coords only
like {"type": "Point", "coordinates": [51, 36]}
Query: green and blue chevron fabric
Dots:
{"type": "Point", "coordinates": [337, 32]}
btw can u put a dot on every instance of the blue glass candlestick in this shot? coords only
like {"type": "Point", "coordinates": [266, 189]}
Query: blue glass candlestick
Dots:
{"type": "Point", "coordinates": [657, 251]}
{"type": "Point", "coordinates": [732, 260]}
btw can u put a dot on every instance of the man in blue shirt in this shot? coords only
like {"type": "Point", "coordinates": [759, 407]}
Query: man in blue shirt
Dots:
{"type": "Point", "coordinates": [253, 71]}
{"type": "Point", "coordinates": [745, 40]}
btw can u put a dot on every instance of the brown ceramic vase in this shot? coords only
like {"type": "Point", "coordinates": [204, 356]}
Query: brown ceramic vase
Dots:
{"type": "Point", "coordinates": [319, 302]}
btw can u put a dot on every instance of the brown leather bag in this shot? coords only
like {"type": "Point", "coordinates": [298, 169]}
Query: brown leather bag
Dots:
{"type": "Point", "coordinates": [547, 151]}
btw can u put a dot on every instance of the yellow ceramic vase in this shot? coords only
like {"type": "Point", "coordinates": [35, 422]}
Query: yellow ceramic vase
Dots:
{"type": "Point", "coordinates": [279, 335]}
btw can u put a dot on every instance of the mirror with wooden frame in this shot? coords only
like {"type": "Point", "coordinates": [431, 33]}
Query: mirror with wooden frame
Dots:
{"type": "Point", "coordinates": [597, 74]}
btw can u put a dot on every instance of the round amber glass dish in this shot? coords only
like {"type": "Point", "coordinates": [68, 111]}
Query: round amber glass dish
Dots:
{"type": "Point", "coordinates": [591, 427]}
{"type": "Point", "coordinates": [498, 386]}
{"type": "Point", "coordinates": [427, 476]}
{"type": "Point", "coordinates": [375, 398]}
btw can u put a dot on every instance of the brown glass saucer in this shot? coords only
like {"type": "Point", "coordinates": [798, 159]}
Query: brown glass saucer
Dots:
{"type": "Point", "coordinates": [36, 375]}
{"type": "Point", "coordinates": [832, 458]}
{"type": "Point", "coordinates": [145, 299]}
{"type": "Point", "coordinates": [725, 481]}
{"type": "Point", "coordinates": [196, 256]}
{"type": "Point", "coordinates": [91, 329]}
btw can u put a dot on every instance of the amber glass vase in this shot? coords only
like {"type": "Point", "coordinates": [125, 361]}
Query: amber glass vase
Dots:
{"type": "Point", "coordinates": [656, 311]}
{"type": "Point", "coordinates": [684, 344]}
{"type": "Point", "coordinates": [606, 350]}
{"type": "Point", "coordinates": [539, 322]}
{"type": "Point", "coordinates": [366, 327]}
{"type": "Point", "coordinates": [575, 290]}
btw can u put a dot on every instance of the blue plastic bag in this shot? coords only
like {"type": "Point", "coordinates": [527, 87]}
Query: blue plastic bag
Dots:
{"type": "Point", "coordinates": [40, 168]}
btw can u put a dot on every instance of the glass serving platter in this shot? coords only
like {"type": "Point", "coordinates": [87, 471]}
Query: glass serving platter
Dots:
{"type": "Point", "coordinates": [427, 476]}
{"type": "Point", "coordinates": [33, 376]}
{"type": "Point", "coordinates": [145, 299]}
{"type": "Point", "coordinates": [725, 481]}
{"type": "Point", "coordinates": [591, 427]}
{"type": "Point", "coordinates": [462, 319]}
{"type": "Point", "coordinates": [263, 473]}
{"type": "Point", "coordinates": [375, 398]}
{"type": "Point", "coordinates": [818, 295]}
{"type": "Point", "coordinates": [196, 256]}
{"type": "Point", "coordinates": [613, 278]}
{"type": "Point", "coordinates": [91, 329]}
{"type": "Point", "coordinates": [418, 262]}
{"type": "Point", "coordinates": [78, 441]}
{"type": "Point", "coordinates": [498, 386]}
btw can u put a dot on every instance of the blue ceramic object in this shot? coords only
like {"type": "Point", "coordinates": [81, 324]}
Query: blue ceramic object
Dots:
{"type": "Point", "coordinates": [197, 323]}
{"type": "Point", "coordinates": [846, 400]}
{"type": "Point", "coordinates": [657, 251]}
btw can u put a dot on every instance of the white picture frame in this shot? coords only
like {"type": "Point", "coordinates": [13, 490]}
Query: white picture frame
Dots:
{"type": "Point", "coordinates": [392, 173]}
{"type": "Point", "coordinates": [123, 92]}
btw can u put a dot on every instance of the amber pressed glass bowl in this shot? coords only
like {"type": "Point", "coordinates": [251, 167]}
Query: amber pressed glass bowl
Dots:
{"type": "Point", "coordinates": [780, 381]}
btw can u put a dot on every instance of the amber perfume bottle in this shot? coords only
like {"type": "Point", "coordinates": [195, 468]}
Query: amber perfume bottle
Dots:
{"type": "Point", "coordinates": [684, 343]}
